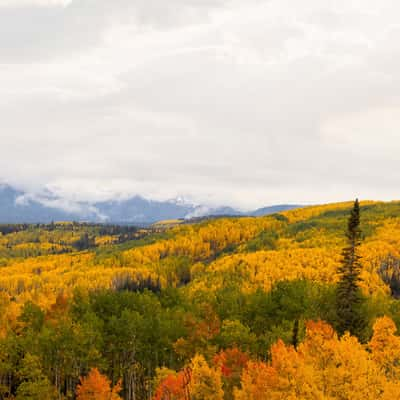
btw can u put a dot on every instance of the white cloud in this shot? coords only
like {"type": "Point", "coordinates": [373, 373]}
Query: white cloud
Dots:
{"type": "Point", "coordinates": [38, 3]}
{"type": "Point", "coordinates": [370, 131]}
{"type": "Point", "coordinates": [243, 103]}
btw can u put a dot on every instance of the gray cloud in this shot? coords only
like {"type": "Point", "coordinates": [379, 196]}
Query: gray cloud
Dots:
{"type": "Point", "coordinates": [244, 103]}
{"type": "Point", "coordinates": [41, 30]}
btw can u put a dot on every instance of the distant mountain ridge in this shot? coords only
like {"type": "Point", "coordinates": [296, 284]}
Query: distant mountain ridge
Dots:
{"type": "Point", "coordinates": [272, 209]}
{"type": "Point", "coordinates": [19, 207]}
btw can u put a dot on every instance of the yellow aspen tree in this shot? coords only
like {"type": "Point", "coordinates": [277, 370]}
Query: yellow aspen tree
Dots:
{"type": "Point", "coordinates": [385, 347]}
{"type": "Point", "coordinates": [205, 382]}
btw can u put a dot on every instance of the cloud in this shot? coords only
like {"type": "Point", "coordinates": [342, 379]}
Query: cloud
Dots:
{"type": "Point", "coordinates": [38, 3]}
{"type": "Point", "coordinates": [44, 30]}
{"type": "Point", "coordinates": [243, 103]}
{"type": "Point", "coordinates": [371, 131]}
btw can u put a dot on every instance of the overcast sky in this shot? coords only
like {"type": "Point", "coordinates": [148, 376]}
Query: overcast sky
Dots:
{"type": "Point", "coordinates": [245, 103]}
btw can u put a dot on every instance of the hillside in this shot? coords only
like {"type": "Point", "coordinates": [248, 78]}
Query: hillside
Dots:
{"type": "Point", "coordinates": [304, 243]}
{"type": "Point", "coordinates": [201, 295]}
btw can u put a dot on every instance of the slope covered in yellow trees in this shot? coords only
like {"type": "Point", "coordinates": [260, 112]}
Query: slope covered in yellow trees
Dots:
{"type": "Point", "coordinates": [299, 244]}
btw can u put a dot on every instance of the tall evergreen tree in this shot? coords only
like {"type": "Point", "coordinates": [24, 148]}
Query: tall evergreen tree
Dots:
{"type": "Point", "coordinates": [349, 298]}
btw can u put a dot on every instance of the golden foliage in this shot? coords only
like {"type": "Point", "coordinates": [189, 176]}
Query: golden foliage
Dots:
{"type": "Point", "coordinates": [324, 367]}
{"type": "Point", "coordinates": [306, 244]}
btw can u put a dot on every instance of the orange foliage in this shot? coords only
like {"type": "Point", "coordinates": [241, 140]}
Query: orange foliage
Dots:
{"type": "Point", "coordinates": [97, 387]}
{"type": "Point", "coordinates": [231, 361]}
{"type": "Point", "coordinates": [198, 381]}
{"type": "Point", "coordinates": [326, 367]}
{"type": "Point", "coordinates": [199, 334]}
{"type": "Point", "coordinates": [173, 387]}
{"type": "Point", "coordinates": [258, 381]}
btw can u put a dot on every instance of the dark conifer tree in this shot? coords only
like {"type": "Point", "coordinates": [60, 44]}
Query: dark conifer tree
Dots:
{"type": "Point", "coordinates": [295, 333]}
{"type": "Point", "coordinates": [349, 298]}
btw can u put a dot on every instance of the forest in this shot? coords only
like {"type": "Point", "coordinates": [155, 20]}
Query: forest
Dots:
{"type": "Point", "coordinates": [303, 304]}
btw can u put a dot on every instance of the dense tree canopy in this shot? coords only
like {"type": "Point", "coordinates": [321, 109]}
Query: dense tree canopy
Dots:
{"type": "Point", "coordinates": [228, 308]}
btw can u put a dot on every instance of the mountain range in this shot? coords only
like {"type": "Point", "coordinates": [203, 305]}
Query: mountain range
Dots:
{"type": "Point", "coordinates": [19, 207]}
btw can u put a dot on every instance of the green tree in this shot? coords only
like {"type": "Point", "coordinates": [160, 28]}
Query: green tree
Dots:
{"type": "Point", "coordinates": [295, 333]}
{"type": "Point", "coordinates": [235, 334]}
{"type": "Point", "coordinates": [32, 317]}
{"type": "Point", "coordinates": [35, 385]}
{"type": "Point", "coordinates": [349, 298]}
